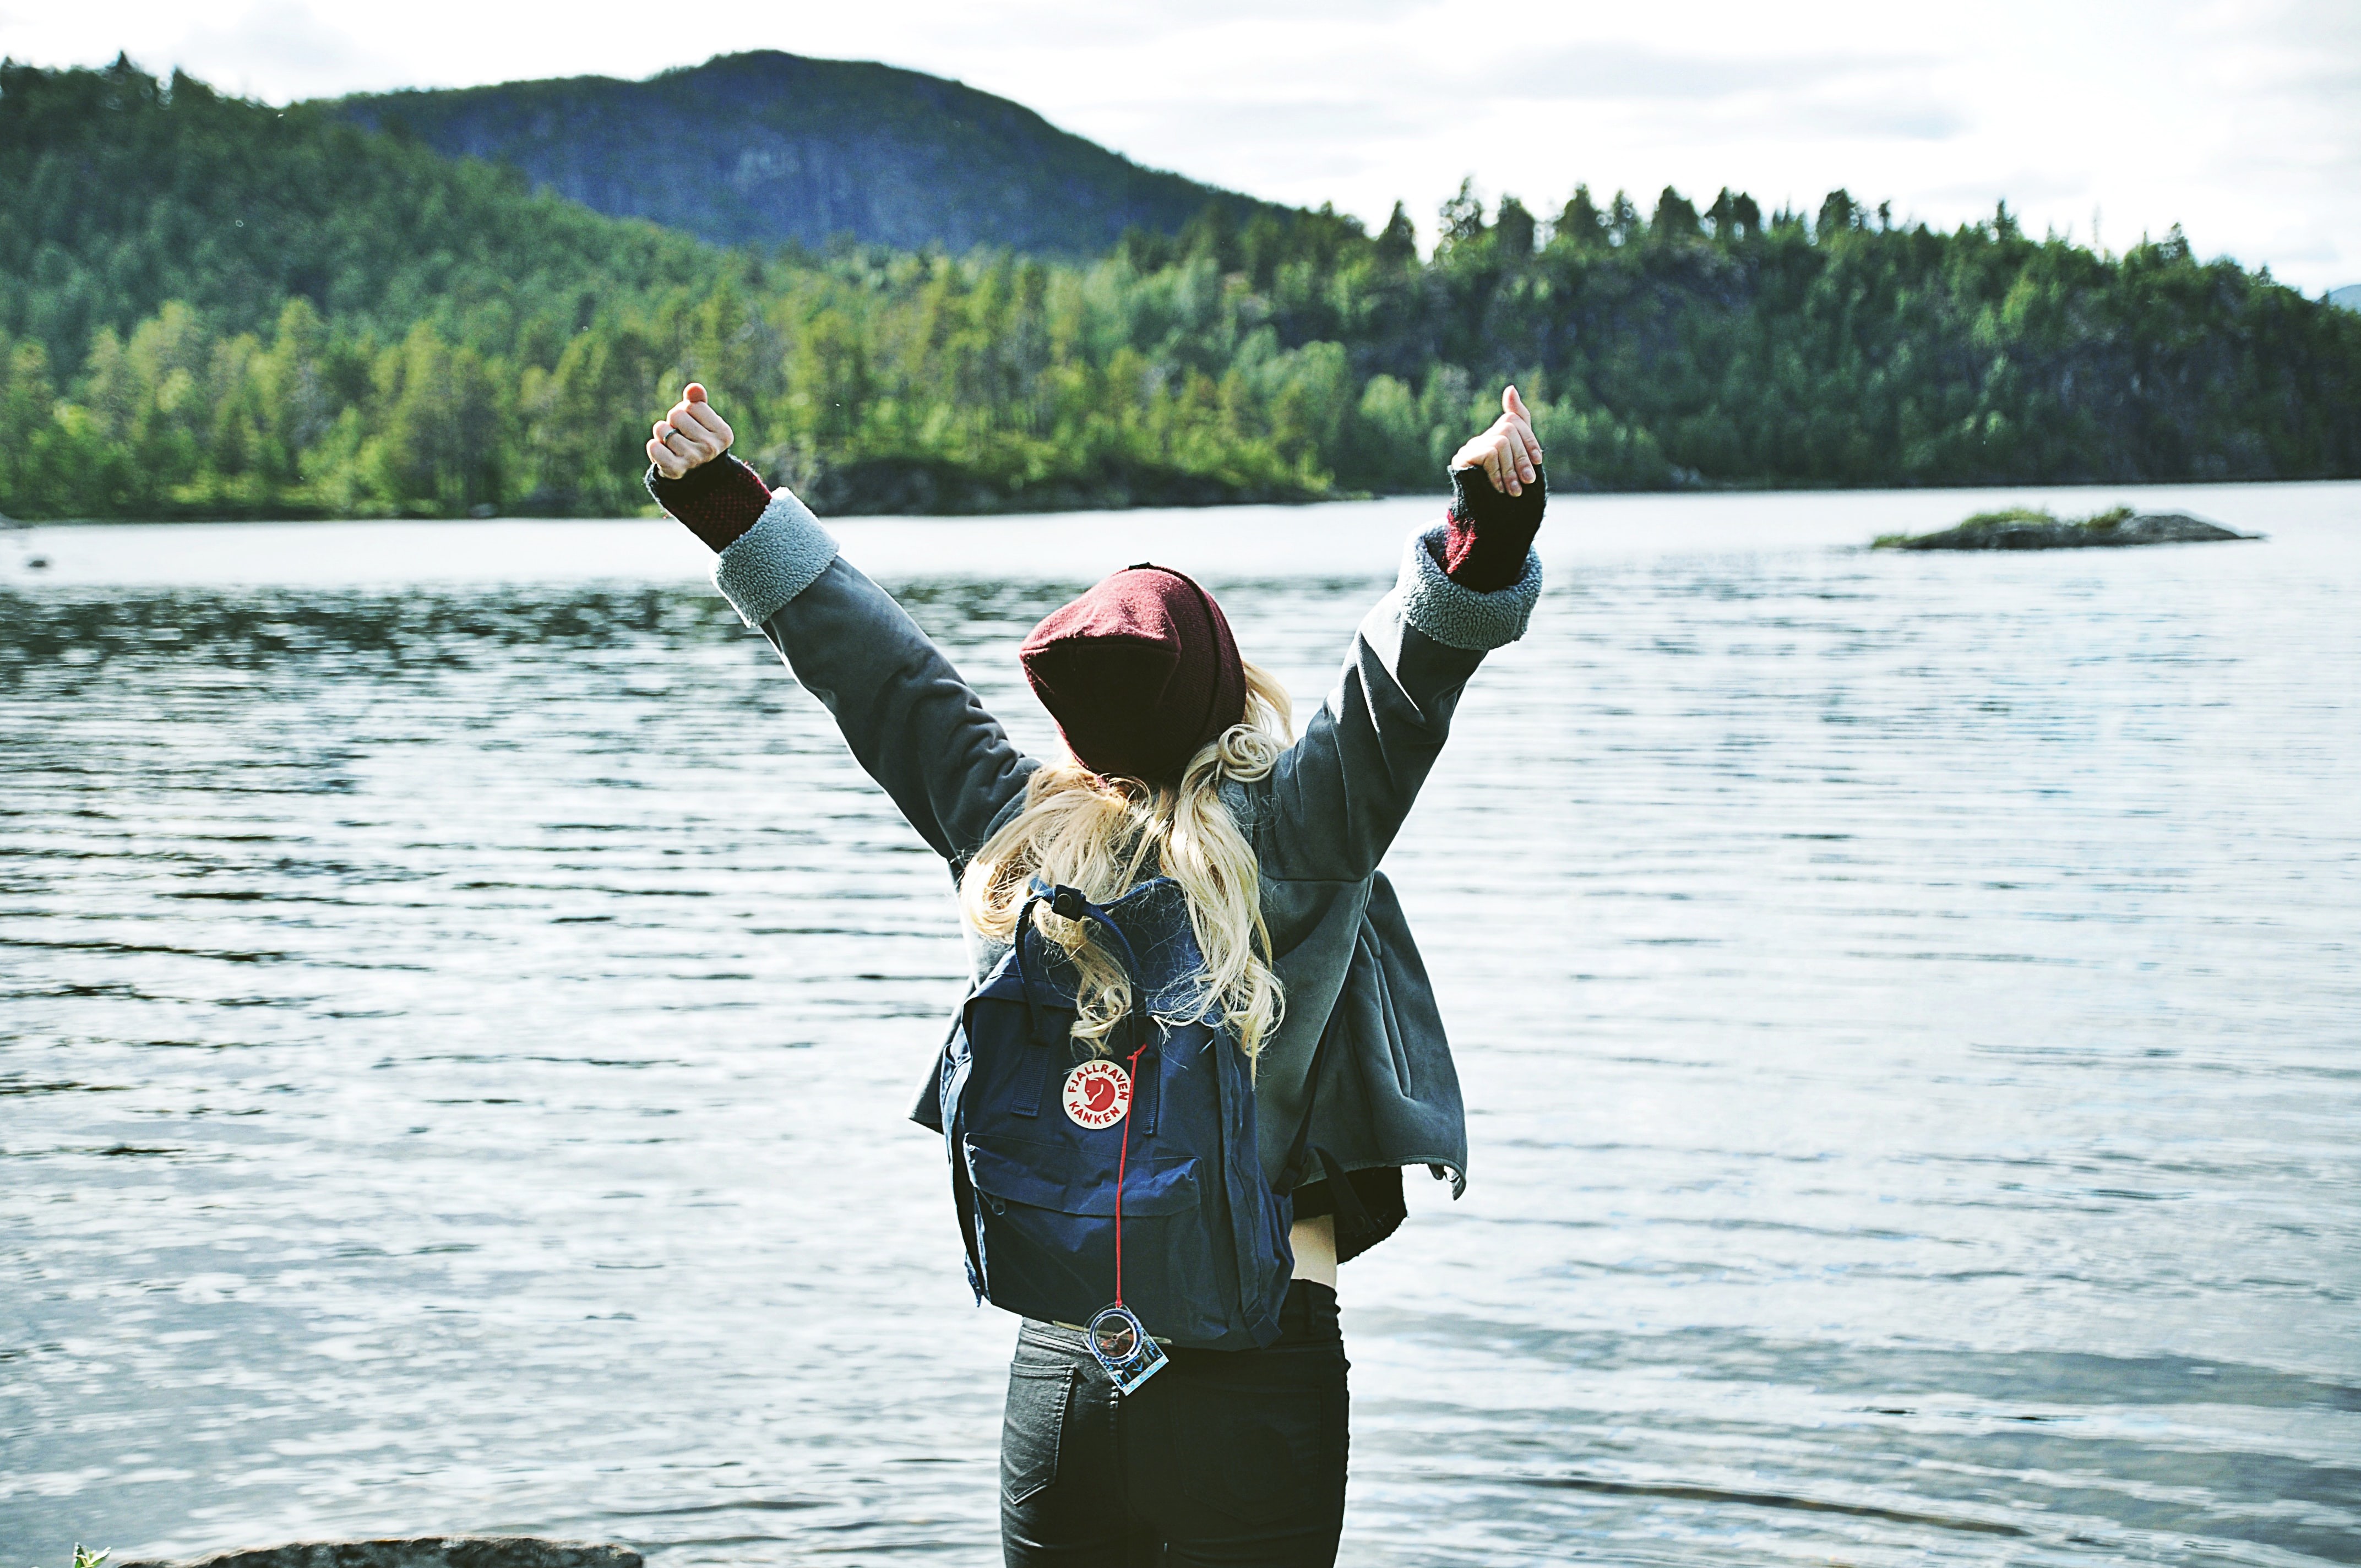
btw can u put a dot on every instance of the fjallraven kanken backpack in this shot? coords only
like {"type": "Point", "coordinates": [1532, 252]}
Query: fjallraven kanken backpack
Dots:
{"type": "Point", "coordinates": [1049, 1145]}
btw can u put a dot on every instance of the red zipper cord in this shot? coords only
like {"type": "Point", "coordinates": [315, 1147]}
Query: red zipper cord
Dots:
{"type": "Point", "coordinates": [1122, 1158]}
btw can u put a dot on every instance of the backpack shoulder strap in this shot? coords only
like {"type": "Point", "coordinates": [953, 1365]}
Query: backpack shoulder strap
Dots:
{"type": "Point", "coordinates": [1068, 903]}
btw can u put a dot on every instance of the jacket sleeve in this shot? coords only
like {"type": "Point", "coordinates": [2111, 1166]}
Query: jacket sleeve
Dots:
{"type": "Point", "coordinates": [1341, 793]}
{"type": "Point", "coordinates": [908, 718]}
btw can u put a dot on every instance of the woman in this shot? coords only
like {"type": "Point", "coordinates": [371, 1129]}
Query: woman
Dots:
{"type": "Point", "coordinates": [1178, 763]}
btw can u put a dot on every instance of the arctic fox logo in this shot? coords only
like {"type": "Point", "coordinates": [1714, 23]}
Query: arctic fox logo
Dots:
{"type": "Point", "coordinates": [1097, 1095]}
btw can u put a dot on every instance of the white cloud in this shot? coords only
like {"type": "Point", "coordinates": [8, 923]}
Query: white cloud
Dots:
{"type": "Point", "coordinates": [1616, 69]}
{"type": "Point", "coordinates": [280, 50]}
{"type": "Point", "coordinates": [2240, 119]}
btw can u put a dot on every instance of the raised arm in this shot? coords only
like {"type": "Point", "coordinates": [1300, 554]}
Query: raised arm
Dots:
{"type": "Point", "coordinates": [1467, 586]}
{"type": "Point", "coordinates": [909, 718]}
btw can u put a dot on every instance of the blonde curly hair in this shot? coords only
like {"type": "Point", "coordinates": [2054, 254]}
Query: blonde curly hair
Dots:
{"type": "Point", "coordinates": [1105, 835]}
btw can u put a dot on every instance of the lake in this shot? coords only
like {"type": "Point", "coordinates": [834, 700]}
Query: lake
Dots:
{"type": "Point", "coordinates": [459, 1005]}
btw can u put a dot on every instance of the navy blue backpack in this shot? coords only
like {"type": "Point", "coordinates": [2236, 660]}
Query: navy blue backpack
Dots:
{"type": "Point", "coordinates": [1048, 1146]}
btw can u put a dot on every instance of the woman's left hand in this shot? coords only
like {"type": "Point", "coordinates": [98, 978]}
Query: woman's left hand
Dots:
{"type": "Point", "coordinates": [1507, 453]}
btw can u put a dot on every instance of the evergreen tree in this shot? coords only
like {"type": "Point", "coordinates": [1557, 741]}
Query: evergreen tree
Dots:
{"type": "Point", "coordinates": [1397, 241]}
{"type": "Point", "coordinates": [1722, 218]}
{"type": "Point", "coordinates": [1675, 219]}
{"type": "Point", "coordinates": [1838, 212]}
{"type": "Point", "coordinates": [1624, 224]}
{"type": "Point", "coordinates": [1581, 224]}
{"type": "Point", "coordinates": [1514, 226]}
{"type": "Point", "coordinates": [1461, 220]}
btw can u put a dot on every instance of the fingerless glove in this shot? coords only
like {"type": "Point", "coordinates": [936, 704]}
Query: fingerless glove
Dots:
{"type": "Point", "coordinates": [1490, 529]}
{"type": "Point", "coordinates": [718, 500]}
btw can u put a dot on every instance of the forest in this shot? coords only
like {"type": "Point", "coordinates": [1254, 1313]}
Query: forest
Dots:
{"type": "Point", "coordinates": [214, 308]}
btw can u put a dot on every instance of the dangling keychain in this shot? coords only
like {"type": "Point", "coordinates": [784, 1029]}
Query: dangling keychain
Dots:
{"type": "Point", "coordinates": [1119, 1340]}
{"type": "Point", "coordinates": [1125, 1347]}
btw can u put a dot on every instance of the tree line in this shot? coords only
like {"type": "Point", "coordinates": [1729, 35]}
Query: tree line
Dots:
{"type": "Point", "coordinates": [212, 308]}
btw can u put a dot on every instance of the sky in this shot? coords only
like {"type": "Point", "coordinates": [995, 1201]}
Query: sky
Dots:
{"type": "Point", "coordinates": [2240, 121]}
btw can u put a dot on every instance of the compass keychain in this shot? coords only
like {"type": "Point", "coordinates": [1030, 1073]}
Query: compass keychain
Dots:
{"type": "Point", "coordinates": [1125, 1347]}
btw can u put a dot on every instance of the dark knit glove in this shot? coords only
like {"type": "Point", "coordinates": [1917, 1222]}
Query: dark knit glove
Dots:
{"type": "Point", "coordinates": [1491, 529]}
{"type": "Point", "coordinates": [718, 500]}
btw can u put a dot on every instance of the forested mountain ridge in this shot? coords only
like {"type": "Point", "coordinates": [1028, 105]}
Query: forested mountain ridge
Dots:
{"type": "Point", "coordinates": [119, 192]}
{"type": "Point", "coordinates": [766, 147]}
{"type": "Point", "coordinates": [210, 307]}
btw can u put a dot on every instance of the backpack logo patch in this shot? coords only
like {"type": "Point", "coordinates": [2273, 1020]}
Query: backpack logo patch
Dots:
{"type": "Point", "coordinates": [1098, 1094]}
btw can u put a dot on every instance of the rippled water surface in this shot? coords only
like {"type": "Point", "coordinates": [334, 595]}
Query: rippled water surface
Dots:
{"type": "Point", "coordinates": [458, 1004]}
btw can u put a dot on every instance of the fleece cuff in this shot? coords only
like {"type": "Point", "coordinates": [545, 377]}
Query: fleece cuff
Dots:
{"type": "Point", "coordinates": [771, 563]}
{"type": "Point", "coordinates": [1457, 616]}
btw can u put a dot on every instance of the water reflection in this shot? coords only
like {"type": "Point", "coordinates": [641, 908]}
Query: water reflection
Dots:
{"type": "Point", "coordinates": [454, 1044]}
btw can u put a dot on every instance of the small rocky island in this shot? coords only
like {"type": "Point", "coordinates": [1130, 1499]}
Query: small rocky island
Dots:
{"type": "Point", "coordinates": [2024, 528]}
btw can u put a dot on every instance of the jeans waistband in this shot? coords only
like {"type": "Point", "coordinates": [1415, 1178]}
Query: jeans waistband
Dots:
{"type": "Point", "coordinates": [1308, 1317]}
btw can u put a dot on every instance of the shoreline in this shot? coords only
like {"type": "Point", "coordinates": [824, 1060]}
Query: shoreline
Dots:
{"type": "Point", "coordinates": [1228, 544]}
{"type": "Point", "coordinates": [11, 525]}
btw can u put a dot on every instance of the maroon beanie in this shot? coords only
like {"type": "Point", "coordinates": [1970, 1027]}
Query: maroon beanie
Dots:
{"type": "Point", "coordinates": [1139, 673]}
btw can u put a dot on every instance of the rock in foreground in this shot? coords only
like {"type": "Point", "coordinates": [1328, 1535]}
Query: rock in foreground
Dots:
{"type": "Point", "coordinates": [430, 1552]}
{"type": "Point", "coordinates": [2024, 528]}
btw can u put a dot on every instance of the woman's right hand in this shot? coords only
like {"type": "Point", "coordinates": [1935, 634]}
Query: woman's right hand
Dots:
{"type": "Point", "coordinates": [691, 435]}
{"type": "Point", "coordinates": [1507, 453]}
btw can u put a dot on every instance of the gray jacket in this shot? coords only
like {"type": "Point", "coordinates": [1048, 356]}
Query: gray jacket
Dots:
{"type": "Point", "coordinates": [1319, 821]}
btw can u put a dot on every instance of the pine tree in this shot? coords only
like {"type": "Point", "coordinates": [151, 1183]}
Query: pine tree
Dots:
{"type": "Point", "coordinates": [1581, 224]}
{"type": "Point", "coordinates": [1514, 226]}
{"type": "Point", "coordinates": [1397, 243]}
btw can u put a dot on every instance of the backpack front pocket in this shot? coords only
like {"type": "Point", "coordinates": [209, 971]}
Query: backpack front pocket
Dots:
{"type": "Point", "coordinates": [1045, 1229]}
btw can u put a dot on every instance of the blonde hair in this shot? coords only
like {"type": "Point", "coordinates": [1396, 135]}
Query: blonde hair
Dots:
{"type": "Point", "coordinates": [1104, 835]}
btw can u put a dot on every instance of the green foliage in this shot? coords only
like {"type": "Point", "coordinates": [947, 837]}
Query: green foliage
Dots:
{"type": "Point", "coordinates": [2098, 521]}
{"type": "Point", "coordinates": [212, 308]}
{"type": "Point", "coordinates": [2010, 514]}
{"type": "Point", "coordinates": [1516, 228]}
{"type": "Point", "coordinates": [119, 193]}
{"type": "Point", "coordinates": [1675, 219]}
{"type": "Point", "coordinates": [84, 1557]}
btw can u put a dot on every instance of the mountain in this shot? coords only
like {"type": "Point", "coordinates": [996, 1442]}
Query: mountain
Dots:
{"type": "Point", "coordinates": [767, 147]}
{"type": "Point", "coordinates": [214, 307]}
{"type": "Point", "coordinates": [2348, 296]}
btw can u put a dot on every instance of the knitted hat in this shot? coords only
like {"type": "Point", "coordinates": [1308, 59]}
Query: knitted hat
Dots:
{"type": "Point", "coordinates": [1140, 672]}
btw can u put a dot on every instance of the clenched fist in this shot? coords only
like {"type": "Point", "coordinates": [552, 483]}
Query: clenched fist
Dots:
{"type": "Point", "coordinates": [689, 435]}
{"type": "Point", "coordinates": [1507, 453]}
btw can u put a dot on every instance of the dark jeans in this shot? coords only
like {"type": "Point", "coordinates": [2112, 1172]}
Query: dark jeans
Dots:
{"type": "Point", "coordinates": [1233, 1458]}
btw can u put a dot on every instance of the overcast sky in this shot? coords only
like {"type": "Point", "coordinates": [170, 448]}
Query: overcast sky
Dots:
{"type": "Point", "coordinates": [2239, 119]}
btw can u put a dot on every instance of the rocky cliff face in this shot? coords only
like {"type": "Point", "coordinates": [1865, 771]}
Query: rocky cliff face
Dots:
{"type": "Point", "coordinates": [769, 147]}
